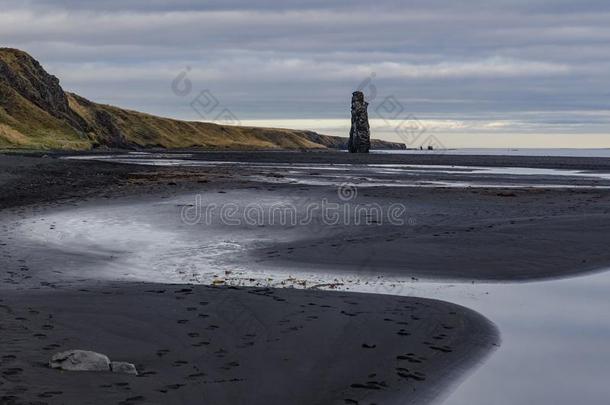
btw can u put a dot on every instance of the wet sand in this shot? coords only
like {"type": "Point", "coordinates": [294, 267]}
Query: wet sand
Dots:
{"type": "Point", "coordinates": [319, 157]}
{"type": "Point", "coordinates": [473, 235]}
{"type": "Point", "coordinates": [238, 346]}
{"type": "Point", "coordinates": [308, 346]}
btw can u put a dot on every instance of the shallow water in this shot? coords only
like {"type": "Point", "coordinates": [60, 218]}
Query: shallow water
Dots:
{"type": "Point", "coordinates": [555, 333]}
{"type": "Point", "coordinates": [555, 338]}
{"type": "Point", "coordinates": [387, 175]}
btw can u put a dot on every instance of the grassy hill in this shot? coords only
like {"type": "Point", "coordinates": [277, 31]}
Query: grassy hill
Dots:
{"type": "Point", "coordinates": [35, 113]}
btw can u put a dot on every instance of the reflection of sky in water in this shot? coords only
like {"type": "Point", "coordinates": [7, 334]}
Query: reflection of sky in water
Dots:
{"type": "Point", "coordinates": [555, 340]}
{"type": "Point", "coordinates": [390, 175]}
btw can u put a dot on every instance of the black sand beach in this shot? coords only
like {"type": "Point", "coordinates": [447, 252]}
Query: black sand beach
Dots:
{"type": "Point", "coordinates": [238, 346]}
{"type": "Point", "coordinates": [268, 345]}
{"type": "Point", "coordinates": [304, 202]}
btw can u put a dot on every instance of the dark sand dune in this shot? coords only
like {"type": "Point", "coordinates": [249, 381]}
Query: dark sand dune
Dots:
{"type": "Point", "coordinates": [196, 344]}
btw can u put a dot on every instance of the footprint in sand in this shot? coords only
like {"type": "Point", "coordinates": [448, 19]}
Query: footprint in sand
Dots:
{"type": "Point", "coordinates": [12, 371]}
{"type": "Point", "coordinates": [405, 373]}
{"type": "Point", "coordinates": [49, 394]}
{"type": "Point", "coordinates": [133, 400]}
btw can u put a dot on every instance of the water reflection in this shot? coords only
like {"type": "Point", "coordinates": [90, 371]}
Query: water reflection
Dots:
{"type": "Point", "coordinates": [555, 338]}
{"type": "Point", "coordinates": [386, 175]}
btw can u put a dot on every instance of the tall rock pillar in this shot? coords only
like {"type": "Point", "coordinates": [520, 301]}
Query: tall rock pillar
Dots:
{"type": "Point", "coordinates": [359, 133]}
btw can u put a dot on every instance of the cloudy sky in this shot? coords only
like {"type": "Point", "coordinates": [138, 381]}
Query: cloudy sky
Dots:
{"type": "Point", "coordinates": [487, 73]}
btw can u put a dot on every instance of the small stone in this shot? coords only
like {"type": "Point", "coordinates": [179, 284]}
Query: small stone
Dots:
{"type": "Point", "coordinates": [80, 360]}
{"type": "Point", "coordinates": [122, 367]}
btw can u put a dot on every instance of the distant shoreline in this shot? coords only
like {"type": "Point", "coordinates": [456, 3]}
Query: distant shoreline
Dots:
{"type": "Point", "coordinates": [539, 152]}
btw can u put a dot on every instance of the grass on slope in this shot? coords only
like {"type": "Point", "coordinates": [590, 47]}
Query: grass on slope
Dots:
{"type": "Point", "coordinates": [147, 130]}
{"type": "Point", "coordinates": [35, 113]}
{"type": "Point", "coordinates": [24, 125]}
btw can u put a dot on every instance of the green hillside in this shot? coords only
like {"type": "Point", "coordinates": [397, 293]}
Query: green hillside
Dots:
{"type": "Point", "coordinates": [35, 113]}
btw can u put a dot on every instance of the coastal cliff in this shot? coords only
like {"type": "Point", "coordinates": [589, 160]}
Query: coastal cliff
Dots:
{"type": "Point", "coordinates": [36, 113]}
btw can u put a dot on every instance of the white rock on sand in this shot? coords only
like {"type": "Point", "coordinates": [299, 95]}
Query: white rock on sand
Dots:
{"type": "Point", "coordinates": [84, 360]}
{"type": "Point", "coordinates": [80, 360]}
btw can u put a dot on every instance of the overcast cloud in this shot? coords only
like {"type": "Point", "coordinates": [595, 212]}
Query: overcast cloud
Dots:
{"type": "Point", "coordinates": [502, 71]}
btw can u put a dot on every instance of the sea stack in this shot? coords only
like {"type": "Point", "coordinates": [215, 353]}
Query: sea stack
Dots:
{"type": "Point", "coordinates": [359, 134]}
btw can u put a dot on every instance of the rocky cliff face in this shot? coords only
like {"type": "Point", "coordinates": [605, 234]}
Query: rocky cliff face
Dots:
{"type": "Point", "coordinates": [25, 75]}
{"type": "Point", "coordinates": [36, 113]}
